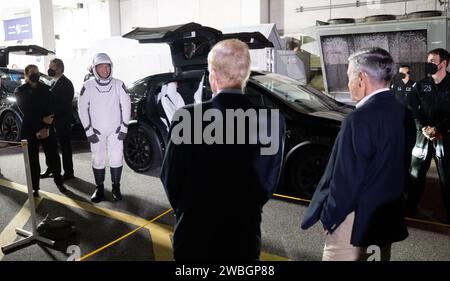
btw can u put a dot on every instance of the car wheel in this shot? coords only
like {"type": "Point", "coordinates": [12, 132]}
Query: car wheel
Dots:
{"type": "Point", "coordinates": [10, 127]}
{"type": "Point", "coordinates": [306, 169]}
{"type": "Point", "coordinates": [141, 150]}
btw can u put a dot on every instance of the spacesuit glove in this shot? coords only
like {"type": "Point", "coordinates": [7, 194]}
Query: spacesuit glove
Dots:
{"type": "Point", "coordinates": [93, 138]}
{"type": "Point", "coordinates": [122, 135]}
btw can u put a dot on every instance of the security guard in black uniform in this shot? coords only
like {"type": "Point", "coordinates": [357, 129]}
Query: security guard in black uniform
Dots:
{"type": "Point", "coordinates": [402, 87]}
{"type": "Point", "coordinates": [432, 117]}
{"type": "Point", "coordinates": [36, 104]}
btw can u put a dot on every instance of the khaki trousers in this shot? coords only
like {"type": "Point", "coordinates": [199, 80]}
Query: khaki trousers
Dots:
{"type": "Point", "coordinates": [338, 246]}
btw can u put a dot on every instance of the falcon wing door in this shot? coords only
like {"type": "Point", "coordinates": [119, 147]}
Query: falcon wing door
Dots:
{"type": "Point", "coordinates": [189, 43]}
{"type": "Point", "coordinates": [29, 50]}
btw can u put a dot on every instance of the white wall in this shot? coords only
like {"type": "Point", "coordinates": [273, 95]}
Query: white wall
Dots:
{"type": "Point", "coordinates": [215, 13]}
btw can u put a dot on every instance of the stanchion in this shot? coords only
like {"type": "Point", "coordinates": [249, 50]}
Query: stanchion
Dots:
{"type": "Point", "coordinates": [33, 235]}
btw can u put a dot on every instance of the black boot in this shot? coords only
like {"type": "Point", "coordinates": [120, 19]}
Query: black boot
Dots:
{"type": "Point", "coordinates": [98, 194]}
{"type": "Point", "coordinates": [116, 173]}
{"type": "Point", "coordinates": [117, 196]}
{"type": "Point", "coordinates": [99, 175]}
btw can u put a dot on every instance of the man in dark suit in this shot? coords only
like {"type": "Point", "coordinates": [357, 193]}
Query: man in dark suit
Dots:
{"type": "Point", "coordinates": [62, 90]}
{"type": "Point", "coordinates": [216, 185]}
{"type": "Point", "coordinates": [37, 106]}
{"type": "Point", "coordinates": [359, 198]}
{"type": "Point", "coordinates": [432, 119]}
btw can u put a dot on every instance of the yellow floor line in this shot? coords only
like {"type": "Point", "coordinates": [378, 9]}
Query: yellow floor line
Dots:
{"type": "Point", "coordinates": [79, 204]}
{"type": "Point", "coordinates": [162, 245]}
{"type": "Point", "coordinates": [124, 236]}
{"type": "Point", "coordinates": [160, 231]}
{"type": "Point", "coordinates": [270, 257]}
{"type": "Point", "coordinates": [8, 235]}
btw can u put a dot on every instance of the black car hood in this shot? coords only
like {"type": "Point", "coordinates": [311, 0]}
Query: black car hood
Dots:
{"type": "Point", "coordinates": [332, 115]}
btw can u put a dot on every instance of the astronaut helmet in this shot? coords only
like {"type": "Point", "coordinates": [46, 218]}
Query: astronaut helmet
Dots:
{"type": "Point", "coordinates": [101, 58]}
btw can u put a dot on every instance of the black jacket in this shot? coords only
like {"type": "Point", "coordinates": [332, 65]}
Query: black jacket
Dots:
{"type": "Point", "coordinates": [365, 174]}
{"type": "Point", "coordinates": [403, 92]}
{"type": "Point", "coordinates": [63, 93]}
{"type": "Point", "coordinates": [35, 104]}
{"type": "Point", "coordinates": [434, 104]}
{"type": "Point", "coordinates": [218, 191]}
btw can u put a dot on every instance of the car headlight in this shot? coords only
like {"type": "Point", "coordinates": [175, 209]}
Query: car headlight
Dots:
{"type": "Point", "coordinates": [11, 99]}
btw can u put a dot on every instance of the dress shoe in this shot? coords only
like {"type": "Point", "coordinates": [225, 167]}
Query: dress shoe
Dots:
{"type": "Point", "coordinates": [46, 174]}
{"type": "Point", "coordinates": [67, 176]}
{"type": "Point", "coordinates": [36, 193]}
{"type": "Point", "coordinates": [98, 194]}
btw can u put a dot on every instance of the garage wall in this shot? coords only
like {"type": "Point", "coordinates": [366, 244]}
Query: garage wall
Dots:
{"type": "Point", "coordinates": [215, 13]}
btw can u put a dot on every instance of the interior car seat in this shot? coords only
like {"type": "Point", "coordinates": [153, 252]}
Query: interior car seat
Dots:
{"type": "Point", "coordinates": [171, 101]}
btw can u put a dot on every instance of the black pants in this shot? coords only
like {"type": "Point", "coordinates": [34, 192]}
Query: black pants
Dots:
{"type": "Point", "coordinates": [424, 151]}
{"type": "Point", "coordinates": [64, 138]}
{"type": "Point", "coordinates": [52, 158]}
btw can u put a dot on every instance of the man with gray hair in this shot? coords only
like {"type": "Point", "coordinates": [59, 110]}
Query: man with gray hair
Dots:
{"type": "Point", "coordinates": [217, 190]}
{"type": "Point", "coordinates": [359, 198]}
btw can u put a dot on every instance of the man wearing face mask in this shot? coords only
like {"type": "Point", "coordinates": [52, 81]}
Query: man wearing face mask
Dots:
{"type": "Point", "coordinates": [402, 88]}
{"type": "Point", "coordinates": [37, 106]}
{"type": "Point", "coordinates": [105, 109]}
{"type": "Point", "coordinates": [63, 92]}
{"type": "Point", "coordinates": [432, 119]}
{"type": "Point", "coordinates": [402, 85]}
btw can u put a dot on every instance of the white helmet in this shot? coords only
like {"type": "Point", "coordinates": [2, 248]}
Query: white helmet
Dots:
{"type": "Point", "coordinates": [99, 59]}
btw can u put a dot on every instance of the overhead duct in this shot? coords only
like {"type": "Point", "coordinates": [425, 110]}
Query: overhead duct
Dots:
{"type": "Point", "coordinates": [378, 18]}
{"type": "Point", "coordinates": [341, 21]}
{"type": "Point", "coordinates": [424, 14]}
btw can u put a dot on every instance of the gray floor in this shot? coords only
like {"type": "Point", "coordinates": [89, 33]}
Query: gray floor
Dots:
{"type": "Point", "coordinates": [144, 197]}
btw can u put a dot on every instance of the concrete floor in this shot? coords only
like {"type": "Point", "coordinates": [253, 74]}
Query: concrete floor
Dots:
{"type": "Point", "coordinates": [144, 199]}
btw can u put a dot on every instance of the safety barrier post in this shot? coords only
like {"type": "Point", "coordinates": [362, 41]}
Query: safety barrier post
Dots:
{"type": "Point", "coordinates": [33, 235]}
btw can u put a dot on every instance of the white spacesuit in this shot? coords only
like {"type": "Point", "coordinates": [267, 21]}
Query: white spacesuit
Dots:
{"type": "Point", "coordinates": [104, 109]}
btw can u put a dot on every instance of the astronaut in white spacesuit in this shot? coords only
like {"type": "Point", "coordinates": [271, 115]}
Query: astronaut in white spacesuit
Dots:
{"type": "Point", "coordinates": [104, 108]}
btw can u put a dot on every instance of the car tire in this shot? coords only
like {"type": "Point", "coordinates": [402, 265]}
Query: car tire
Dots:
{"type": "Point", "coordinates": [142, 149]}
{"type": "Point", "coordinates": [305, 170]}
{"type": "Point", "coordinates": [10, 126]}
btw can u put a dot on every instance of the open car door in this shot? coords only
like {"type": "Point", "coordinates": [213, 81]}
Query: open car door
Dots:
{"type": "Point", "coordinates": [29, 50]}
{"type": "Point", "coordinates": [190, 43]}
{"type": "Point", "coordinates": [254, 40]}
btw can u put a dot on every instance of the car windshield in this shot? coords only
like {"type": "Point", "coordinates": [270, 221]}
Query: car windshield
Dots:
{"type": "Point", "coordinates": [303, 98]}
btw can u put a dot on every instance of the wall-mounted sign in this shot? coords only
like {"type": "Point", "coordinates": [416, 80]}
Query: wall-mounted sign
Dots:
{"type": "Point", "coordinates": [18, 29]}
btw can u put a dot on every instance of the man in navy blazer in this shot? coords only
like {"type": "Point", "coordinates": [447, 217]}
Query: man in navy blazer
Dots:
{"type": "Point", "coordinates": [359, 198]}
{"type": "Point", "coordinates": [217, 186]}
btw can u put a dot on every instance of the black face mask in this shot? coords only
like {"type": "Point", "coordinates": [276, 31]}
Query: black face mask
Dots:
{"type": "Point", "coordinates": [51, 72]}
{"type": "Point", "coordinates": [34, 77]}
{"type": "Point", "coordinates": [430, 68]}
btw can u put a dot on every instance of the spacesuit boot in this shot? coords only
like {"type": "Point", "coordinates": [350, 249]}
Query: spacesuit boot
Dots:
{"type": "Point", "coordinates": [99, 175]}
{"type": "Point", "coordinates": [116, 173]}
